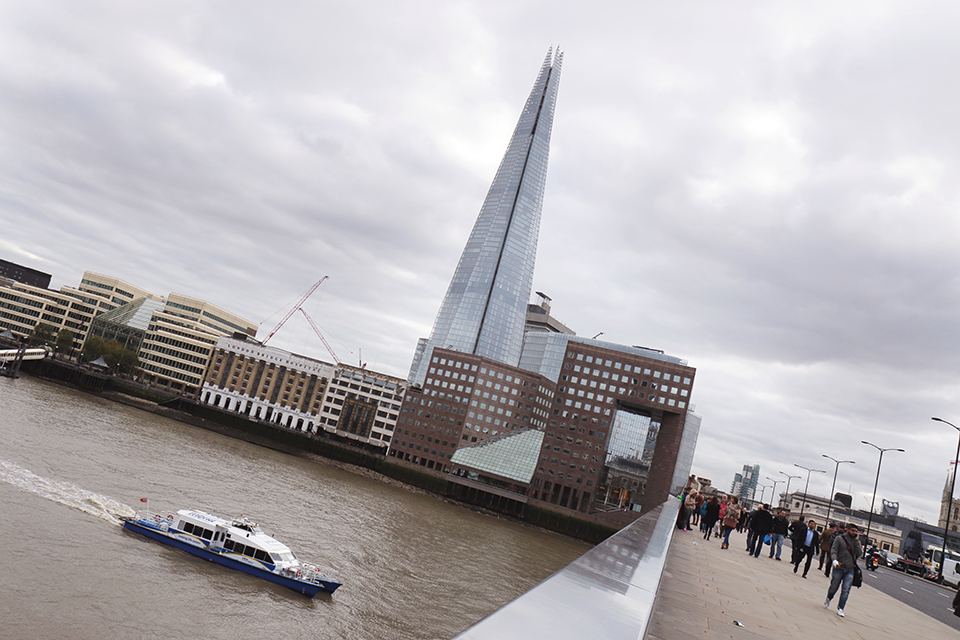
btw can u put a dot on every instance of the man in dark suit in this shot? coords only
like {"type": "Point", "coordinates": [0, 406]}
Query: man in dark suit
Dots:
{"type": "Point", "coordinates": [806, 543]}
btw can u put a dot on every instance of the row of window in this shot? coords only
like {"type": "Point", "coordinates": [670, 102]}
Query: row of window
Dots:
{"type": "Point", "coordinates": [196, 530]}
{"type": "Point", "coordinates": [246, 550]}
{"type": "Point", "coordinates": [626, 367]}
{"type": "Point", "coordinates": [99, 285]}
{"type": "Point", "coordinates": [166, 328]}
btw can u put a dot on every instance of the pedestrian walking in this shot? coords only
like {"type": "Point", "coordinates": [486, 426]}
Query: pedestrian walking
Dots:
{"type": "Point", "coordinates": [761, 524]}
{"type": "Point", "coordinates": [710, 517]}
{"type": "Point", "coordinates": [778, 533]}
{"type": "Point", "coordinates": [687, 506]}
{"type": "Point", "coordinates": [731, 519]}
{"type": "Point", "coordinates": [808, 541]}
{"type": "Point", "coordinates": [845, 550]}
{"type": "Point", "coordinates": [749, 530]}
{"type": "Point", "coordinates": [797, 527]}
{"type": "Point", "coordinates": [826, 539]}
{"type": "Point", "coordinates": [695, 519]}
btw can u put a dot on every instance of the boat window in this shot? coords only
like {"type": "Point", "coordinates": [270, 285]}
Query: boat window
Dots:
{"type": "Point", "coordinates": [188, 527]}
{"type": "Point", "coordinates": [248, 551]}
{"type": "Point", "coordinates": [206, 534]}
{"type": "Point", "coordinates": [261, 555]}
{"type": "Point", "coordinates": [228, 545]}
{"type": "Point", "coordinates": [181, 525]}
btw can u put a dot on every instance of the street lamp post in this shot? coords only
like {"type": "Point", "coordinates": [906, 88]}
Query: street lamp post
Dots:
{"type": "Point", "coordinates": [789, 478]}
{"type": "Point", "coordinates": [833, 487]}
{"type": "Point", "coordinates": [807, 486]}
{"type": "Point", "coordinates": [763, 488]}
{"type": "Point", "coordinates": [953, 481]}
{"type": "Point", "coordinates": [875, 483]}
{"type": "Point", "coordinates": [775, 483]}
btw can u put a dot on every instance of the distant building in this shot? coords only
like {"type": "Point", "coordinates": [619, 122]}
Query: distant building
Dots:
{"type": "Point", "coordinates": [884, 531]}
{"type": "Point", "coordinates": [24, 306]}
{"type": "Point", "coordinates": [745, 484]}
{"type": "Point", "coordinates": [26, 275]}
{"type": "Point", "coordinates": [949, 504]}
{"type": "Point", "coordinates": [173, 337]}
{"type": "Point", "coordinates": [301, 393]}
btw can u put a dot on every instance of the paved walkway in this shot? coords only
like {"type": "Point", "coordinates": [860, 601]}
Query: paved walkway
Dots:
{"type": "Point", "coordinates": [705, 590]}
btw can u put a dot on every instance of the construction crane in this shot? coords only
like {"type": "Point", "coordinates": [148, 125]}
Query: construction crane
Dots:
{"type": "Point", "coordinates": [320, 335]}
{"type": "Point", "coordinates": [296, 306]}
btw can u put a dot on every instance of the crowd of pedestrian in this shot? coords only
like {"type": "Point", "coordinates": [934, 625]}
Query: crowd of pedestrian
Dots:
{"type": "Point", "coordinates": [838, 548]}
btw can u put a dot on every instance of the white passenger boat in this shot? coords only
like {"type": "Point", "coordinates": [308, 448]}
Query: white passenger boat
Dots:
{"type": "Point", "coordinates": [239, 544]}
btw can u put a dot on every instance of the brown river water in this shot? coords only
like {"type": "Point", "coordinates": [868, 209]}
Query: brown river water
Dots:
{"type": "Point", "coordinates": [412, 566]}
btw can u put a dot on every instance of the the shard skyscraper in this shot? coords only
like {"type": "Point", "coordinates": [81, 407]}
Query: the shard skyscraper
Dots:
{"type": "Point", "coordinates": [485, 307]}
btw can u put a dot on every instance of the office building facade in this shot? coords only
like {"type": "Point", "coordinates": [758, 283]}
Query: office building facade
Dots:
{"type": "Point", "coordinates": [173, 337]}
{"type": "Point", "coordinates": [609, 421]}
{"type": "Point", "coordinates": [304, 394]}
{"type": "Point", "coordinates": [615, 423]}
{"type": "Point", "coordinates": [466, 399]}
{"type": "Point", "coordinates": [23, 306]}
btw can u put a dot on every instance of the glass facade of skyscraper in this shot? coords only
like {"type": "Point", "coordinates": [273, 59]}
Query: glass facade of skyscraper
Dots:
{"type": "Point", "coordinates": [484, 309]}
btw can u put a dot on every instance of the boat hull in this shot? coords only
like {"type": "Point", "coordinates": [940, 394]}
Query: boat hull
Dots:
{"type": "Point", "coordinates": [308, 589]}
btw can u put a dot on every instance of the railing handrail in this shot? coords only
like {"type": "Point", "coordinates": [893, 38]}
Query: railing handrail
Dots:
{"type": "Point", "coordinates": [608, 592]}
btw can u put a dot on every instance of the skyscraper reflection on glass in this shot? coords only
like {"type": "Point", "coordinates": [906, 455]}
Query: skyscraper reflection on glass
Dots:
{"type": "Point", "coordinates": [484, 309]}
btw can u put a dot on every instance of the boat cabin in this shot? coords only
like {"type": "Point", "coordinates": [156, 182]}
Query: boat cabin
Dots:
{"type": "Point", "coordinates": [239, 537]}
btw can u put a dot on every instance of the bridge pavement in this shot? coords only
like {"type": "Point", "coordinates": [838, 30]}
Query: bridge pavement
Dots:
{"type": "Point", "coordinates": [706, 590]}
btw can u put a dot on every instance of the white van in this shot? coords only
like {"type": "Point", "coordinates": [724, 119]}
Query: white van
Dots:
{"type": "Point", "coordinates": [951, 570]}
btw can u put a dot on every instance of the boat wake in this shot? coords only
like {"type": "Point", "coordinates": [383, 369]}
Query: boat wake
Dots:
{"type": "Point", "coordinates": [65, 493]}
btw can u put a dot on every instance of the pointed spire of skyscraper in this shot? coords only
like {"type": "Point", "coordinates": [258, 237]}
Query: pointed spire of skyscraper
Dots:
{"type": "Point", "coordinates": [484, 309]}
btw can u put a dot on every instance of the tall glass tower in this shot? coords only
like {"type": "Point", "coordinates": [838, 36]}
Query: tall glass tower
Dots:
{"type": "Point", "coordinates": [484, 309]}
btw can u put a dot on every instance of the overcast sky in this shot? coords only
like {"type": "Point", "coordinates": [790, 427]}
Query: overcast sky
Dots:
{"type": "Point", "coordinates": [768, 191]}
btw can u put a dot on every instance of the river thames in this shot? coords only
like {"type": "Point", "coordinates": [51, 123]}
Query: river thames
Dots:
{"type": "Point", "coordinates": [71, 464]}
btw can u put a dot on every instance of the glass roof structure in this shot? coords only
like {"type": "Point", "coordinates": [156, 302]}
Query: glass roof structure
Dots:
{"type": "Point", "coordinates": [126, 324]}
{"type": "Point", "coordinates": [484, 309]}
{"type": "Point", "coordinates": [134, 314]}
{"type": "Point", "coordinates": [513, 455]}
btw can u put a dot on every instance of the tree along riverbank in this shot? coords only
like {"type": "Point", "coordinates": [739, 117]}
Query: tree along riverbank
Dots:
{"type": "Point", "coordinates": [321, 447]}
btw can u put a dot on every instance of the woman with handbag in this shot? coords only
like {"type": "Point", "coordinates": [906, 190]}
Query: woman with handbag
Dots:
{"type": "Point", "coordinates": [731, 517]}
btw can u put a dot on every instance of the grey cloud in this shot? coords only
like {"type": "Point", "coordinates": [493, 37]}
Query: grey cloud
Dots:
{"type": "Point", "coordinates": [764, 191]}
